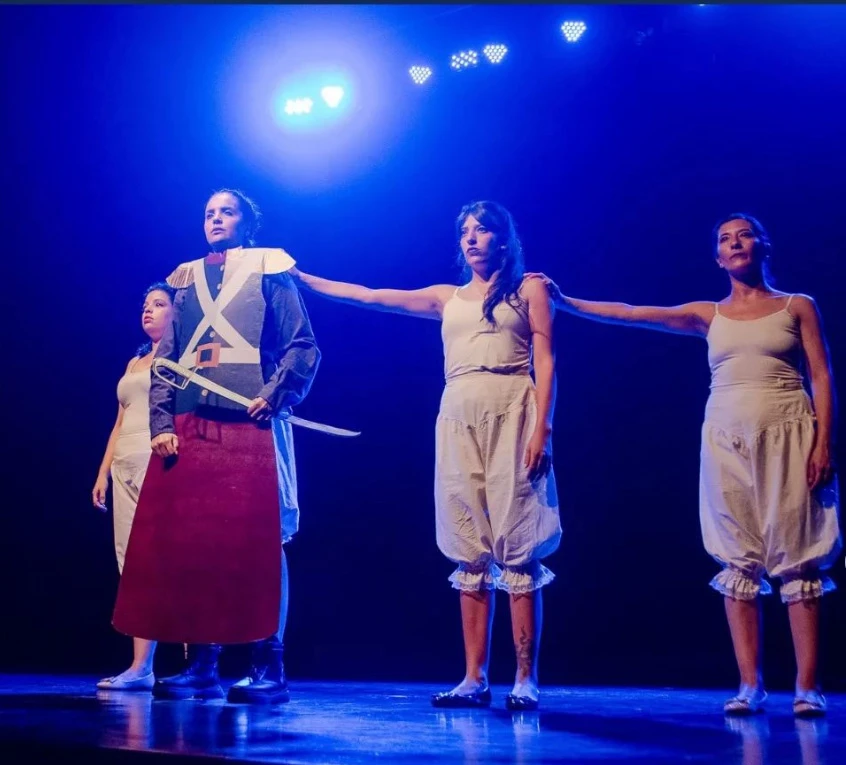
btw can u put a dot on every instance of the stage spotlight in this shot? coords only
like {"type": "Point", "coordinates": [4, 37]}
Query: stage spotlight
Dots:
{"type": "Point", "coordinates": [573, 30]}
{"type": "Point", "coordinates": [314, 100]}
{"type": "Point", "coordinates": [332, 95]}
{"type": "Point", "coordinates": [464, 59]}
{"type": "Point", "coordinates": [419, 74]}
{"type": "Point", "coordinates": [495, 53]}
{"type": "Point", "coordinates": [298, 106]}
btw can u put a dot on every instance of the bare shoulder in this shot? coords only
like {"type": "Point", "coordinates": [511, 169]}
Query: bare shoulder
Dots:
{"type": "Point", "coordinates": [534, 289]}
{"type": "Point", "coordinates": [804, 307]}
{"type": "Point", "coordinates": [696, 316]}
{"type": "Point", "coordinates": [803, 302]}
{"type": "Point", "coordinates": [442, 292]}
{"type": "Point", "coordinates": [132, 362]}
{"type": "Point", "coordinates": [702, 309]}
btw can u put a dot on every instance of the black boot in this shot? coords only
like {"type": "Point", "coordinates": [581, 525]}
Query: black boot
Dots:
{"type": "Point", "coordinates": [266, 683]}
{"type": "Point", "coordinates": [199, 681]}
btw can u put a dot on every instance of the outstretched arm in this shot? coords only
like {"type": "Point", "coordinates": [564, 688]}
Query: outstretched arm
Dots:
{"type": "Point", "coordinates": [820, 468]}
{"type": "Point", "coordinates": [427, 303]}
{"type": "Point", "coordinates": [686, 319]}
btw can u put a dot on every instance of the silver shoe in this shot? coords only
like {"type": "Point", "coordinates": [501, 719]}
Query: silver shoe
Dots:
{"type": "Point", "coordinates": [749, 701]}
{"type": "Point", "coordinates": [119, 683]}
{"type": "Point", "coordinates": [809, 704]}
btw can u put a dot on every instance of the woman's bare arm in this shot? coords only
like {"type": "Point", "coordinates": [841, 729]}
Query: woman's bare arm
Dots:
{"type": "Point", "coordinates": [427, 303]}
{"type": "Point", "coordinates": [687, 319]}
{"type": "Point", "coordinates": [818, 361]}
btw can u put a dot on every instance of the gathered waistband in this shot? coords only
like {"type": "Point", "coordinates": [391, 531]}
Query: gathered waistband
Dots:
{"type": "Point", "coordinates": [494, 377]}
{"type": "Point", "coordinates": [473, 398]}
{"type": "Point", "coordinates": [747, 409]}
{"type": "Point", "coordinates": [773, 386]}
{"type": "Point", "coordinates": [132, 443]}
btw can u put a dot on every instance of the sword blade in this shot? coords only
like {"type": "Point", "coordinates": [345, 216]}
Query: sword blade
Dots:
{"type": "Point", "coordinates": [319, 426]}
{"type": "Point", "coordinates": [214, 387]}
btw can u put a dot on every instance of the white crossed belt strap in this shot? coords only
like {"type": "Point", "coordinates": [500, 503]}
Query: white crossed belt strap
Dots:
{"type": "Point", "coordinates": [240, 351]}
{"type": "Point", "coordinates": [191, 376]}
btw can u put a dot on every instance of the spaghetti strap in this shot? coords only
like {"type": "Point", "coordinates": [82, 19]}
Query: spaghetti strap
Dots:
{"type": "Point", "coordinates": [787, 306]}
{"type": "Point", "coordinates": [716, 309]}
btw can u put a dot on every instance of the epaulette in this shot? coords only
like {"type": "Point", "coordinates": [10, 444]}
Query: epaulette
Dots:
{"type": "Point", "coordinates": [182, 276]}
{"type": "Point", "coordinates": [275, 260]}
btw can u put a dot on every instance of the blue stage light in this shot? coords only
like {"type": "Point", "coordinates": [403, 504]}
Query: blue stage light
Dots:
{"type": "Point", "coordinates": [464, 60]}
{"type": "Point", "coordinates": [332, 95]}
{"type": "Point", "coordinates": [495, 52]}
{"type": "Point", "coordinates": [573, 30]}
{"type": "Point", "coordinates": [419, 74]}
{"type": "Point", "coordinates": [298, 106]}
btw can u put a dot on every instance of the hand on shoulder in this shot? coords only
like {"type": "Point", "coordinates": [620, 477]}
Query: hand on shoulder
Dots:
{"type": "Point", "coordinates": [536, 288]}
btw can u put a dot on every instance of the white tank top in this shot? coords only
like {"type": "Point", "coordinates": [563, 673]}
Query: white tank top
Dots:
{"type": "Point", "coordinates": [472, 344]}
{"type": "Point", "coordinates": [133, 392]}
{"type": "Point", "coordinates": [755, 353]}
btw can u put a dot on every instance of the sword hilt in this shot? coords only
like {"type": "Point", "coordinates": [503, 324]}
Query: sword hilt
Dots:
{"type": "Point", "coordinates": [190, 375]}
{"type": "Point", "coordinates": [168, 364]}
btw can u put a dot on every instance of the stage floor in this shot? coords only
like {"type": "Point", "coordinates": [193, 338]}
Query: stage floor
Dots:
{"type": "Point", "coordinates": [65, 718]}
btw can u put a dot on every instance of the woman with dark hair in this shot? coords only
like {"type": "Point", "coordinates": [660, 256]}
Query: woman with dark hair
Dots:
{"type": "Point", "coordinates": [126, 459]}
{"type": "Point", "coordinates": [496, 507]}
{"type": "Point", "coordinates": [205, 565]}
{"type": "Point", "coordinates": [768, 497]}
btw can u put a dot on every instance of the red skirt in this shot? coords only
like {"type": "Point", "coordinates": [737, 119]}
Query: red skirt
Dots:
{"type": "Point", "coordinates": [203, 563]}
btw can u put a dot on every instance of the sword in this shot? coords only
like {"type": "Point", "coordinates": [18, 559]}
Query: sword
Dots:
{"type": "Point", "coordinates": [191, 376]}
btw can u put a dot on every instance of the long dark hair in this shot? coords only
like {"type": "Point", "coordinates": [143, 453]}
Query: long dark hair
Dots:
{"type": "Point", "coordinates": [764, 244]}
{"type": "Point", "coordinates": [249, 209]}
{"type": "Point", "coordinates": [144, 349]}
{"type": "Point", "coordinates": [506, 288]}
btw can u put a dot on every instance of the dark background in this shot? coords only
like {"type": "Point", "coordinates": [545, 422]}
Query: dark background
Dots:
{"type": "Point", "coordinates": [616, 156]}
